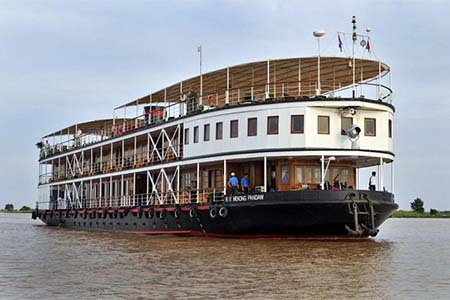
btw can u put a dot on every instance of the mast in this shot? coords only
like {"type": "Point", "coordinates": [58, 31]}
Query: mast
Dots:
{"type": "Point", "coordinates": [354, 37]}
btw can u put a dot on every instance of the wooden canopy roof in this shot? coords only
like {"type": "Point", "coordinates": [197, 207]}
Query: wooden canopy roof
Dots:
{"type": "Point", "coordinates": [334, 71]}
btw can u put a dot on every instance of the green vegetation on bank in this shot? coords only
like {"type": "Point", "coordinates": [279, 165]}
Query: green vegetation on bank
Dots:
{"type": "Point", "coordinates": [414, 214]}
{"type": "Point", "coordinates": [9, 208]}
{"type": "Point", "coordinates": [418, 211]}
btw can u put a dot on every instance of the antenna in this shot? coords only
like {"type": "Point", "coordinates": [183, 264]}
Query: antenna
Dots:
{"type": "Point", "coordinates": [354, 37]}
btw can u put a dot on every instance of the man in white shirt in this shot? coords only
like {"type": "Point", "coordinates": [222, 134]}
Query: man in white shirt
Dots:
{"type": "Point", "coordinates": [372, 181]}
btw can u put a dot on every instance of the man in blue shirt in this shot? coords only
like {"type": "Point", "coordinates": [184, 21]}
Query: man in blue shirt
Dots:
{"type": "Point", "coordinates": [233, 183]}
{"type": "Point", "coordinates": [244, 183]}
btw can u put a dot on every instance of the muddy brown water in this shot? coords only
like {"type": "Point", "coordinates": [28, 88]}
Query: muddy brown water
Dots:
{"type": "Point", "coordinates": [410, 259]}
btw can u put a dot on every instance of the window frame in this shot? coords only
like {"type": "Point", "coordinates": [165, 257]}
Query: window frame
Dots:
{"type": "Point", "coordinates": [196, 134]}
{"type": "Point", "coordinates": [374, 126]}
{"type": "Point", "coordinates": [268, 125]}
{"type": "Point", "coordinates": [344, 132]}
{"type": "Point", "coordinates": [186, 136]}
{"type": "Point", "coordinates": [293, 131]}
{"type": "Point", "coordinates": [206, 132]}
{"type": "Point", "coordinates": [256, 126]}
{"type": "Point", "coordinates": [390, 128]}
{"type": "Point", "coordinates": [231, 129]}
{"type": "Point", "coordinates": [318, 124]}
{"type": "Point", "coordinates": [221, 131]}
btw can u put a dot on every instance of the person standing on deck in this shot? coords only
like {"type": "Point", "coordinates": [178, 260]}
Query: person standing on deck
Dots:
{"type": "Point", "coordinates": [244, 183]}
{"type": "Point", "coordinates": [372, 186]}
{"type": "Point", "coordinates": [233, 183]}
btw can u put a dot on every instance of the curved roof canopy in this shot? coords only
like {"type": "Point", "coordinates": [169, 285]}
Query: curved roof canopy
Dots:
{"type": "Point", "coordinates": [89, 127]}
{"type": "Point", "coordinates": [335, 72]}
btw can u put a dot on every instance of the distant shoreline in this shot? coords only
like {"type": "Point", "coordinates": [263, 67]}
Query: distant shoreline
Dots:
{"type": "Point", "coordinates": [424, 215]}
{"type": "Point", "coordinates": [16, 211]}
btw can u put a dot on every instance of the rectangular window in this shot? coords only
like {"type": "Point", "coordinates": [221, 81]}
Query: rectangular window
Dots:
{"type": "Point", "coordinates": [390, 128]}
{"type": "Point", "coordinates": [370, 127]}
{"type": "Point", "coordinates": [346, 123]}
{"type": "Point", "coordinates": [285, 178]}
{"type": "Point", "coordinates": [297, 124]}
{"type": "Point", "coordinates": [196, 134]}
{"type": "Point", "coordinates": [317, 175]}
{"type": "Point", "coordinates": [252, 127]}
{"type": "Point", "coordinates": [323, 125]}
{"type": "Point", "coordinates": [298, 175]}
{"type": "Point", "coordinates": [308, 175]}
{"type": "Point", "coordinates": [272, 125]}
{"type": "Point", "coordinates": [186, 136]}
{"type": "Point", "coordinates": [219, 130]}
{"type": "Point", "coordinates": [234, 128]}
{"type": "Point", "coordinates": [206, 132]}
{"type": "Point", "coordinates": [344, 175]}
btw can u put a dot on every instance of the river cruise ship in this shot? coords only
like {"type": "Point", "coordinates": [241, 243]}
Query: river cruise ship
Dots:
{"type": "Point", "coordinates": [270, 148]}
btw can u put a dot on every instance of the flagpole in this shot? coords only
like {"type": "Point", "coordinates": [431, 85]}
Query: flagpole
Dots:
{"type": "Point", "coordinates": [353, 54]}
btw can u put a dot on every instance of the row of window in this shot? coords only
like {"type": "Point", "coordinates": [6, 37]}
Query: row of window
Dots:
{"type": "Point", "coordinates": [297, 127]}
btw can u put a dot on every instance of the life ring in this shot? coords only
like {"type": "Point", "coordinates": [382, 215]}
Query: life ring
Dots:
{"type": "Point", "coordinates": [162, 214]}
{"type": "Point", "coordinates": [213, 212]}
{"type": "Point", "coordinates": [223, 212]}
{"type": "Point", "coordinates": [192, 213]}
{"type": "Point", "coordinates": [150, 213]}
{"type": "Point", "coordinates": [177, 213]}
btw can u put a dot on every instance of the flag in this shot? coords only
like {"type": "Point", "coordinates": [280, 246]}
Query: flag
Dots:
{"type": "Point", "coordinates": [368, 46]}
{"type": "Point", "coordinates": [339, 42]}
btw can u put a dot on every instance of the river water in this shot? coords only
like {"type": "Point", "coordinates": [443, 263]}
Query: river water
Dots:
{"type": "Point", "coordinates": [410, 259]}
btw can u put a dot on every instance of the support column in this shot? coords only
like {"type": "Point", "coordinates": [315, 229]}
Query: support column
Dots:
{"type": "Point", "coordinates": [198, 182]}
{"type": "Point", "coordinates": [357, 179]}
{"type": "Point", "coordinates": [100, 193]}
{"type": "Point", "coordinates": [90, 193]}
{"type": "Point", "coordinates": [123, 153]}
{"type": "Point", "coordinates": [110, 190]}
{"type": "Point", "coordinates": [265, 174]}
{"type": "Point", "coordinates": [322, 174]}
{"type": "Point", "coordinates": [147, 191]}
{"type": "Point", "coordinates": [268, 80]}
{"type": "Point", "coordinates": [380, 175]}
{"type": "Point", "coordinates": [225, 176]}
{"type": "Point", "coordinates": [227, 92]}
{"type": "Point", "coordinates": [101, 159]}
{"type": "Point", "coordinates": [111, 156]}
{"type": "Point", "coordinates": [135, 154]}
{"type": "Point", "coordinates": [121, 191]}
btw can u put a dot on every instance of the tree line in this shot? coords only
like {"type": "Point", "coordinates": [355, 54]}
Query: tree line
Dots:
{"type": "Point", "coordinates": [9, 207]}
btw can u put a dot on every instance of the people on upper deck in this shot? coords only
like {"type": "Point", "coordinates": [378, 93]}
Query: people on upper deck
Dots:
{"type": "Point", "coordinates": [372, 181]}
{"type": "Point", "coordinates": [244, 183]}
{"type": "Point", "coordinates": [233, 183]}
{"type": "Point", "coordinates": [78, 137]}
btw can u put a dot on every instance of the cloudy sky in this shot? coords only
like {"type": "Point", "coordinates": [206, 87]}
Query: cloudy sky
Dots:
{"type": "Point", "coordinates": [63, 62]}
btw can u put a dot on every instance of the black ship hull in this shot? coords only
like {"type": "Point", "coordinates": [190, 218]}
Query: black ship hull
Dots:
{"type": "Point", "coordinates": [274, 214]}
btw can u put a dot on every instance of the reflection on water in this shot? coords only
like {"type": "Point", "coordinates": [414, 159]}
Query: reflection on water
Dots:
{"type": "Point", "coordinates": [43, 262]}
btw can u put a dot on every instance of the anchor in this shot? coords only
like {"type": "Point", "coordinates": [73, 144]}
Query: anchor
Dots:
{"type": "Point", "coordinates": [357, 232]}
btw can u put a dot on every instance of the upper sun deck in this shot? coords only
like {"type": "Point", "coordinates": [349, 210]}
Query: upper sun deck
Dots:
{"type": "Point", "coordinates": [294, 79]}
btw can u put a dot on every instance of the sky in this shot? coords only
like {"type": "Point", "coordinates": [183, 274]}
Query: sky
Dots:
{"type": "Point", "coordinates": [63, 62]}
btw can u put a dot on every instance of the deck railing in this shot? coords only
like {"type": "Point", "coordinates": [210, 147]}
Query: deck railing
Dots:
{"type": "Point", "coordinates": [176, 108]}
{"type": "Point", "coordinates": [168, 198]}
